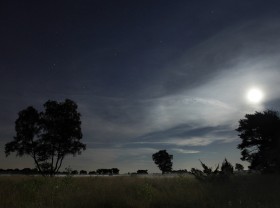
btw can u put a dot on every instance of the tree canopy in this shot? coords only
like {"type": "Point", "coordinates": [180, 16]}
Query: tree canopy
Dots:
{"type": "Point", "coordinates": [163, 160]}
{"type": "Point", "coordinates": [260, 145]}
{"type": "Point", "coordinates": [48, 136]}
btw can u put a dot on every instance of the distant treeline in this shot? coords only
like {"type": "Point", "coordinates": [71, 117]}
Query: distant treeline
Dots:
{"type": "Point", "coordinates": [34, 171]}
{"type": "Point", "coordinates": [141, 172]}
{"type": "Point", "coordinates": [24, 171]}
{"type": "Point", "coordinates": [103, 171]}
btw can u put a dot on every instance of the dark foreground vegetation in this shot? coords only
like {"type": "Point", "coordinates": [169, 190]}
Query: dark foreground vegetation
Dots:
{"type": "Point", "coordinates": [181, 191]}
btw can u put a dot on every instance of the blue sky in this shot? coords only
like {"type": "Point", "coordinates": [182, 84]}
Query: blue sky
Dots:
{"type": "Point", "coordinates": [146, 75]}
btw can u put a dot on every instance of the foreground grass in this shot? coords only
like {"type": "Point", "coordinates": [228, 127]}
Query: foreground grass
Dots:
{"type": "Point", "coordinates": [242, 191]}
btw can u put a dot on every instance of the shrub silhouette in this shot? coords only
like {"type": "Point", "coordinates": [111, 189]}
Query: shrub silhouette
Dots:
{"type": "Point", "coordinates": [184, 171]}
{"type": "Point", "coordinates": [74, 172]}
{"type": "Point", "coordinates": [142, 171]}
{"type": "Point", "coordinates": [112, 171]}
{"type": "Point", "coordinates": [92, 172]}
{"type": "Point", "coordinates": [207, 174]}
{"type": "Point", "coordinates": [115, 171]}
{"type": "Point", "coordinates": [239, 167]}
{"type": "Point", "coordinates": [226, 168]}
{"type": "Point", "coordinates": [83, 172]}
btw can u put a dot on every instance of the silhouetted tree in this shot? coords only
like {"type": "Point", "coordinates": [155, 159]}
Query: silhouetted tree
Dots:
{"type": "Point", "coordinates": [239, 167]}
{"type": "Point", "coordinates": [163, 160]}
{"type": "Point", "coordinates": [48, 136]}
{"type": "Point", "coordinates": [260, 146]}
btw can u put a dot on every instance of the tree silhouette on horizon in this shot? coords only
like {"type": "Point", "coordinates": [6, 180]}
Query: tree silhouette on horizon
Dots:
{"type": "Point", "coordinates": [260, 145]}
{"type": "Point", "coordinates": [163, 160]}
{"type": "Point", "coordinates": [48, 136]}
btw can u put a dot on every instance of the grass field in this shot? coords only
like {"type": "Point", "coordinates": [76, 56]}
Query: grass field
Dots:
{"type": "Point", "coordinates": [255, 191]}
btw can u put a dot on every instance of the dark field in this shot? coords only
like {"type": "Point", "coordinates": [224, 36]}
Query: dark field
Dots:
{"type": "Point", "coordinates": [182, 191]}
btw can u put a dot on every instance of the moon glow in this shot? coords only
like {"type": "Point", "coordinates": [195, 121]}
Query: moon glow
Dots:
{"type": "Point", "coordinates": [255, 95]}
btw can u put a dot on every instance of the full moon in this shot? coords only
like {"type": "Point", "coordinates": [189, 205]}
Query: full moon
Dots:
{"type": "Point", "coordinates": [255, 95]}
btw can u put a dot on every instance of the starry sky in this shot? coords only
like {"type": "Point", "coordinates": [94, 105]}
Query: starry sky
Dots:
{"type": "Point", "coordinates": [146, 75]}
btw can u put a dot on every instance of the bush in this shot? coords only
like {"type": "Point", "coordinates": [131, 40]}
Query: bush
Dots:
{"type": "Point", "coordinates": [227, 168]}
{"type": "Point", "coordinates": [207, 173]}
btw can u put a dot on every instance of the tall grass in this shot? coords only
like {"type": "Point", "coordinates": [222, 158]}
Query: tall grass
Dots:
{"type": "Point", "coordinates": [240, 191]}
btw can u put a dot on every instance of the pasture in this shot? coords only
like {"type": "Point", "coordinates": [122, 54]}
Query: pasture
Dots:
{"type": "Point", "coordinates": [251, 191]}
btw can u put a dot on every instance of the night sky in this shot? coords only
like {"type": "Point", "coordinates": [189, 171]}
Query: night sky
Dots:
{"type": "Point", "coordinates": [146, 75]}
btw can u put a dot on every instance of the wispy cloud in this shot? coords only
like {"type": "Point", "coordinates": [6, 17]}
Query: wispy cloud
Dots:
{"type": "Point", "coordinates": [184, 151]}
